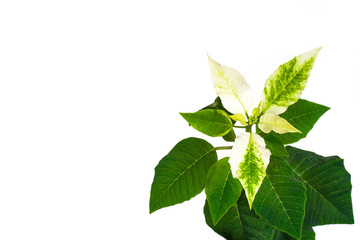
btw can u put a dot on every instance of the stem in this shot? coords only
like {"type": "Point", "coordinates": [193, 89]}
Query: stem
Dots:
{"type": "Point", "coordinates": [239, 126]}
{"type": "Point", "coordinates": [248, 128]}
{"type": "Point", "coordinates": [223, 148]}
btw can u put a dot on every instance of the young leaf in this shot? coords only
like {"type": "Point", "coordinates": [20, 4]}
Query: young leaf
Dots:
{"type": "Point", "coordinates": [302, 115]}
{"type": "Point", "coordinates": [273, 122]}
{"type": "Point", "coordinates": [285, 85]}
{"type": "Point", "coordinates": [274, 144]}
{"type": "Point", "coordinates": [328, 187]}
{"type": "Point", "coordinates": [248, 160]}
{"type": "Point", "coordinates": [281, 198]}
{"type": "Point", "coordinates": [181, 174]}
{"type": "Point", "coordinates": [209, 121]}
{"type": "Point", "coordinates": [222, 190]}
{"type": "Point", "coordinates": [239, 223]}
{"type": "Point", "coordinates": [235, 93]}
{"type": "Point", "coordinates": [239, 117]}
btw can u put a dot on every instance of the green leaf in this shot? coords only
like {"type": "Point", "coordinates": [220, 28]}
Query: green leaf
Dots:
{"type": "Point", "coordinates": [222, 190]}
{"type": "Point", "coordinates": [248, 160]}
{"type": "Point", "coordinates": [328, 187]}
{"type": "Point", "coordinates": [181, 174]}
{"type": "Point", "coordinates": [239, 223]}
{"type": "Point", "coordinates": [230, 136]}
{"type": "Point", "coordinates": [209, 121]}
{"type": "Point", "coordinates": [274, 144]}
{"type": "Point", "coordinates": [302, 115]}
{"type": "Point", "coordinates": [284, 87]}
{"type": "Point", "coordinates": [281, 198]}
{"type": "Point", "coordinates": [307, 234]}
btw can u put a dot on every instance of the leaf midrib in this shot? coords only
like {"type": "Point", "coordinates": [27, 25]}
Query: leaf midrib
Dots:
{"type": "Point", "coordinates": [278, 197]}
{"type": "Point", "coordinates": [221, 196]}
{"type": "Point", "coordinates": [235, 93]}
{"type": "Point", "coordinates": [305, 114]}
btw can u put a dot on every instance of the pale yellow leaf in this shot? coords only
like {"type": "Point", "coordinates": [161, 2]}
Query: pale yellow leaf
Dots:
{"type": "Point", "coordinates": [273, 122]}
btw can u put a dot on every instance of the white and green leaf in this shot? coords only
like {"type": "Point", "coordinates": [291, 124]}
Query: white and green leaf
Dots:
{"type": "Point", "coordinates": [273, 122]}
{"type": "Point", "coordinates": [235, 93]}
{"type": "Point", "coordinates": [284, 87]}
{"type": "Point", "coordinates": [248, 160]}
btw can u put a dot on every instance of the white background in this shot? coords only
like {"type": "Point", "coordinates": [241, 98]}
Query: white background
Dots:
{"type": "Point", "coordinates": [90, 93]}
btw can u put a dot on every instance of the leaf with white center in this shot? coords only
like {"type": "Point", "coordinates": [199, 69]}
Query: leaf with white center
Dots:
{"type": "Point", "coordinates": [235, 93]}
{"type": "Point", "coordinates": [281, 198]}
{"type": "Point", "coordinates": [284, 87]}
{"type": "Point", "coordinates": [181, 174]}
{"type": "Point", "coordinates": [248, 160]}
{"type": "Point", "coordinates": [222, 190]}
{"type": "Point", "coordinates": [273, 122]}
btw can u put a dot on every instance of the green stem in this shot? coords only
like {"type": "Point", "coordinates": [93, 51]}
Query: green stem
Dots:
{"type": "Point", "coordinates": [248, 128]}
{"type": "Point", "coordinates": [223, 148]}
{"type": "Point", "coordinates": [239, 126]}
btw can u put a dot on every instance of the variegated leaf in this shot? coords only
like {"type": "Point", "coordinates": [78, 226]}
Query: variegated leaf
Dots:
{"type": "Point", "coordinates": [273, 122]}
{"type": "Point", "coordinates": [248, 160]}
{"type": "Point", "coordinates": [235, 93]}
{"type": "Point", "coordinates": [286, 84]}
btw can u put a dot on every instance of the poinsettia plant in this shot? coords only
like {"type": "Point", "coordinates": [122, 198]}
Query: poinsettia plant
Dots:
{"type": "Point", "coordinates": [264, 189]}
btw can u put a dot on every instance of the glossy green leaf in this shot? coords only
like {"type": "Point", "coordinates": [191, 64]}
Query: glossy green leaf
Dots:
{"type": "Point", "coordinates": [248, 160]}
{"type": "Point", "coordinates": [222, 190]}
{"type": "Point", "coordinates": [181, 174]}
{"type": "Point", "coordinates": [281, 198]}
{"type": "Point", "coordinates": [239, 223]}
{"type": "Point", "coordinates": [307, 234]}
{"type": "Point", "coordinates": [302, 115]}
{"type": "Point", "coordinates": [274, 144]}
{"type": "Point", "coordinates": [230, 136]}
{"type": "Point", "coordinates": [284, 87]}
{"type": "Point", "coordinates": [209, 121]}
{"type": "Point", "coordinates": [328, 187]}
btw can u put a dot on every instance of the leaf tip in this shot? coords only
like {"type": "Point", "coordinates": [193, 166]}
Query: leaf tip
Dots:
{"type": "Point", "coordinates": [315, 51]}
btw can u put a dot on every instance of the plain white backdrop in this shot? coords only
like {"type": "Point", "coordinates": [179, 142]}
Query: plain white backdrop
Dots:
{"type": "Point", "coordinates": [90, 93]}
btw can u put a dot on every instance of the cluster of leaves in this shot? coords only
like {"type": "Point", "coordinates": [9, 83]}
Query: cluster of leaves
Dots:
{"type": "Point", "coordinates": [265, 190]}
